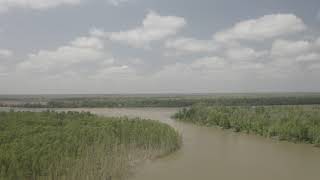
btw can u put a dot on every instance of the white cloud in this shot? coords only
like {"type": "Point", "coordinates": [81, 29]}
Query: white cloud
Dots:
{"type": "Point", "coordinates": [117, 2]}
{"type": "Point", "coordinates": [81, 50]}
{"type": "Point", "coordinates": [245, 54]}
{"type": "Point", "coordinates": [2, 73]}
{"type": "Point", "coordinates": [209, 63]}
{"type": "Point", "coordinates": [84, 57]}
{"type": "Point", "coordinates": [5, 53]}
{"type": "Point", "coordinates": [318, 42]}
{"type": "Point", "coordinates": [3, 69]}
{"type": "Point", "coordinates": [266, 27]}
{"type": "Point", "coordinates": [88, 42]}
{"type": "Point", "coordinates": [248, 66]}
{"type": "Point", "coordinates": [5, 5]}
{"type": "Point", "coordinates": [62, 57]}
{"type": "Point", "coordinates": [99, 33]}
{"type": "Point", "coordinates": [235, 61]}
{"type": "Point", "coordinates": [5, 57]}
{"type": "Point", "coordinates": [287, 48]}
{"type": "Point", "coordinates": [311, 57]}
{"type": "Point", "coordinates": [154, 27]}
{"type": "Point", "coordinates": [190, 45]}
{"type": "Point", "coordinates": [112, 72]}
{"type": "Point", "coordinates": [298, 54]}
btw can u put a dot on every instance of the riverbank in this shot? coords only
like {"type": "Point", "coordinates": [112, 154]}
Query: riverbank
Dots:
{"type": "Point", "coordinates": [289, 123]}
{"type": "Point", "coordinates": [212, 153]}
{"type": "Point", "coordinates": [78, 145]}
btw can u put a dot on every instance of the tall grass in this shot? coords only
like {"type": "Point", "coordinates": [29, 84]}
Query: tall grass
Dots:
{"type": "Point", "coordinates": [72, 145]}
{"type": "Point", "coordinates": [290, 123]}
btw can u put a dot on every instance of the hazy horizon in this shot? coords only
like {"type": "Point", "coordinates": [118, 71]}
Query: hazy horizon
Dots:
{"type": "Point", "coordinates": [284, 93]}
{"type": "Point", "coordinates": [159, 47]}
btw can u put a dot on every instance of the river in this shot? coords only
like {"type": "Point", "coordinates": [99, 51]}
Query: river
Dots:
{"type": "Point", "coordinates": [215, 154]}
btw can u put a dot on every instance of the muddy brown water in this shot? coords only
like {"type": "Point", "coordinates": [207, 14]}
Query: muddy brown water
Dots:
{"type": "Point", "coordinates": [215, 154]}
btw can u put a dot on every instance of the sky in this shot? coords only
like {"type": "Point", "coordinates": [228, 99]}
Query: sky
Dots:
{"type": "Point", "coordinates": [159, 46]}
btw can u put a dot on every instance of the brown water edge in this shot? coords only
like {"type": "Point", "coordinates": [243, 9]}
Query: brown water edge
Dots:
{"type": "Point", "coordinates": [212, 153]}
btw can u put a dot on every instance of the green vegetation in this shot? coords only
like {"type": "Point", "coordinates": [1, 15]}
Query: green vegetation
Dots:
{"type": "Point", "coordinates": [161, 100]}
{"type": "Point", "coordinates": [290, 123]}
{"type": "Point", "coordinates": [72, 145]}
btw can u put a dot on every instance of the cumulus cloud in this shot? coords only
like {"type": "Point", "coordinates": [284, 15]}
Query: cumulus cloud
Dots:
{"type": "Point", "coordinates": [5, 53]}
{"type": "Point", "coordinates": [3, 70]}
{"type": "Point", "coordinates": [64, 56]}
{"type": "Point", "coordinates": [237, 55]}
{"type": "Point", "coordinates": [112, 72]}
{"type": "Point", "coordinates": [318, 43]}
{"type": "Point", "coordinates": [245, 54]}
{"type": "Point", "coordinates": [268, 26]}
{"type": "Point", "coordinates": [209, 63]}
{"type": "Point", "coordinates": [206, 63]}
{"type": "Point", "coordinates": [88, 42]}
{"type": "Point", "coordinates": [240, 58]}
{"type": "Point", "coordinates": [154, 27]}
{"type": "Point", "coordinates": [83, 49]}
{"type": "Point", "coordinates": [97, 32]}
{"type": "Point", "coordinates": [5, 57]}
{"type": "Point", "coordinates": [311, 57]}
{"type": "Point", "coordinates": [287, 48]}
{"type": "Point", "coordinates": [5, 5]}
{"type": "Point", "coordinates": [82, 56]}
{"type": "Point", "coordinates": [117, 2]}
{"type": "Point", "coordinates": [302, 53]}
{"type": "Point", "coordinates": [191, 45]}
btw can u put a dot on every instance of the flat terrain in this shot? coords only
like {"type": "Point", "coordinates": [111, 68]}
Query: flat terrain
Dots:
{"type": "Point", "coordinates": [158, 100]}
{"type": "Point", "coordinates": [224, 136]}
{"type": "Point", "coordinates": [213, 153]}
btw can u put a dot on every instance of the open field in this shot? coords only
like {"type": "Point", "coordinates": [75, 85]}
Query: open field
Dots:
{"type": "Point", "coordinates": [78, 145]}
{"type": "Point", "coordinates": [290, 123]}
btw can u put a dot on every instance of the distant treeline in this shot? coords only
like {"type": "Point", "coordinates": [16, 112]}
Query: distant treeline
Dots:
{"type": "Point", "coordinates": [291, 123]}
{"type": "Point", "coordinates": [170, 102]}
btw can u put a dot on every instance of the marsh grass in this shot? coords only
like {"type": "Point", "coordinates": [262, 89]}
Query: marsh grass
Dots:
{"type": "Point", "coordinates": [289, 123]}
{"type": "Point", "coordinates": [72, 145]}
